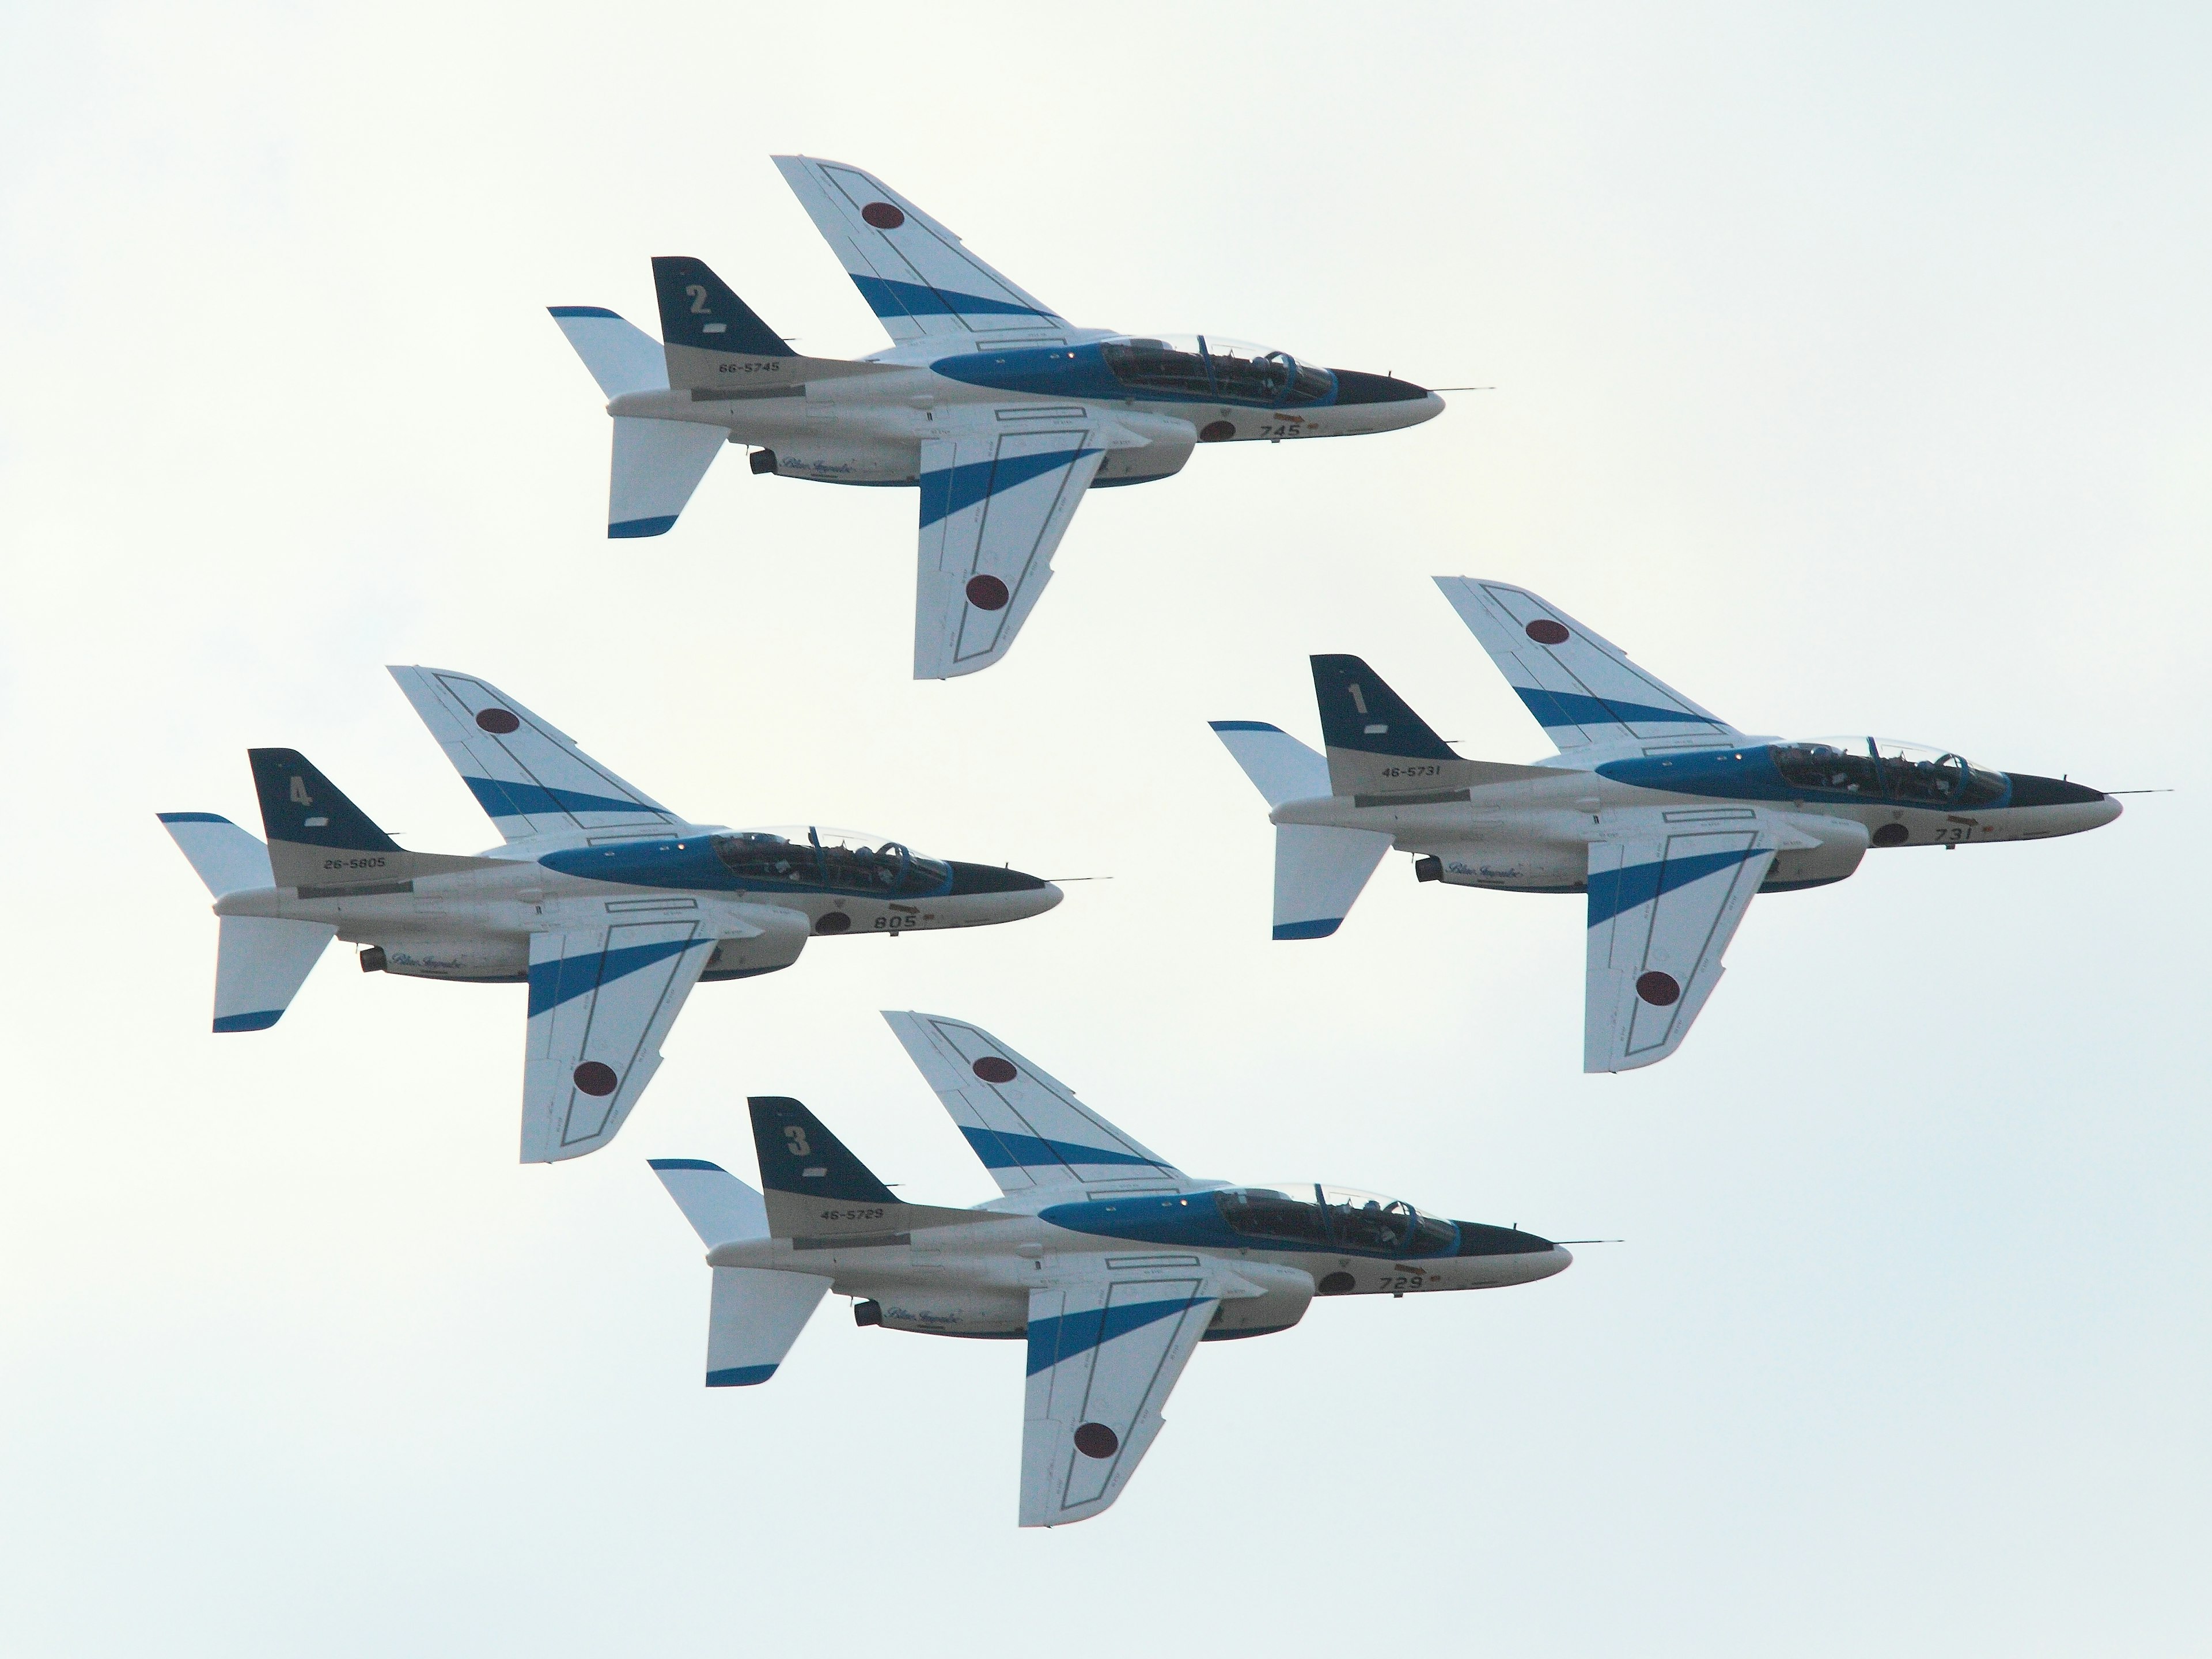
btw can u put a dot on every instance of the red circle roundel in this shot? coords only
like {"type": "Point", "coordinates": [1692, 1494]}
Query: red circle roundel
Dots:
{"type": "Point", "coordinates": [1096, 1440]}
{"type": "Point", "coordinates": [883, 216]}
{"type": "Point", "coordinates": [497, 719]}
{"type": "Point", "coordinates": [1660, 990]}
{"type": "Point", "coordinates": [987, 593]}
{"type": "Point", "coordinates": [1217, 432]}
{"type": "Point", "coordinates": [834, 922]}
{"type": "Point", "coordinates": [595, 1078]}
{"type": "Point", "coordinates": [991, 1069]}
{"type": "Point", "coordinates": [1545, 631]}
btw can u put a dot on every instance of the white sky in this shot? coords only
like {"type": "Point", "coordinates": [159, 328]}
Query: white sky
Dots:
{"type": "Point", "coordinates": [1851, 370]}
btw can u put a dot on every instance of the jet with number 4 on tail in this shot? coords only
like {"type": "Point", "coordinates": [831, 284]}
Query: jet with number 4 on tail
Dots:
{"type": "Point", "coordinates": [1001, 411]}
{"type": "Point", "coordinates": [1105, 1261]}
{"type": "Point", "coordinates": [1667, 818]}
{"type": "Point", "coordinates": [608, 905]}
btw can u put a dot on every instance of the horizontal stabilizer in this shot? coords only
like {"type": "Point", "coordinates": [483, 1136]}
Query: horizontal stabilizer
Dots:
{"type": "Point", "coordinates": [721, 1209]}
{"type": "Point", "coordinates": [621, 357]}
{"type": "Point", "coordinates": [260, 966]}
{"type": "Point", "coordinates": [1319, 873]}
{"type": "Point", "coordinates": [656, 465]}
{"type": "Point", "coordinates": [1280, 767]}
{"type": "Point", "coordinates": [756, 1315]}
{"type": "Point", "coordinates": [224, 856]}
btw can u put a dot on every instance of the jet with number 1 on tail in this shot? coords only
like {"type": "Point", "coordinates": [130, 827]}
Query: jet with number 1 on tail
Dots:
{"type": "Point", "coordinates": [1109, 1264]}
{"type": "Point", "coordinates": [610, 906]}
{"type": "Point", "coordinates": [1002, 411]}
{"type": "Point", "coordinates": [1663, 816]}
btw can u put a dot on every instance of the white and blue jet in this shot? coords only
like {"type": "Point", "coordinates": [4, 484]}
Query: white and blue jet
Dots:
{"type": "Point", "coordinates": [999, 408]}
{"type": "Point", "coordinates": [1106, 1260]}
{"type": "Point", "coordinates": [1664, 815]}
{"type": "Point", "coordinates": [608, 905]}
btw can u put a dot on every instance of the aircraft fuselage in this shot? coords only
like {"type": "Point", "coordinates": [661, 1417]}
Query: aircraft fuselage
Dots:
{"type": "Point", "coordinates": [1534, 835]}
{"type": "Point", "coordinates": [867, 427]}
{"type": "Point", "coordinates": [475, 923]}
{"type": "Point", "coordinates": [974, 1278]}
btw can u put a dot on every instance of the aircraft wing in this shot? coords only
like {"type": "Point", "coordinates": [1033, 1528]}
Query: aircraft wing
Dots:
{"type": "Point", "coordinates": [1104, 1354]}
{"type": "Point", "coordinates": [995, 501]}
{"type": "Point", "coordinates": [1583, 690]}
{"type": "Point", "coordinates": [525, 772]}
{"type": "Point", "coordinates": [912, 271]}
{"type": "Point", "coordinates": [601, 1002]}
{"type": "Point", "coordinates": [1030, 1131]}
{"type": "Point", "coordinates": [1664, 902]}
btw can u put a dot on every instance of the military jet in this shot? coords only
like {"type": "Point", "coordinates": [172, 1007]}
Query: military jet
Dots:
{"type": "Point", "coordinates": [999, 408]}
{"type": "Point", "coordinates": [1667, 817]}
{"type": "Point", "coordinates": [609, 905]}
{"type": "Point", "coordinates": [1108, 1262]}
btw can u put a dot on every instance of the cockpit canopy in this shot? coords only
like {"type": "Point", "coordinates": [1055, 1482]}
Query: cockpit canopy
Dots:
{"type": "Point", "coordinates": [840, 861]}
{"type": "Point", "coordinates": [1207, 368]}
{"type": "Point", "coordinates": [1880, 769]}
{"type": "Point", "coordinates": [1335, 1218]}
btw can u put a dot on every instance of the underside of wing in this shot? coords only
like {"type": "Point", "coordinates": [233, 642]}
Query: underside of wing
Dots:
{"type": "Point", "coordinates": [1662, 912]}
{"type": "Point", "coordinates": [1583, 689]}
{"type": "Point", "coordinates": [1103, 1356]}
{"type": "Point", "coordinates": [1029, 1128]}
{"type": "Point", "coordinates": [995, 504]}
{"type": "Point", "coordinates": [601, 1002]}
{"type": "Point", "coordinates": [526, 772]}
{"type": "Point", "coordinates": [913, 272]}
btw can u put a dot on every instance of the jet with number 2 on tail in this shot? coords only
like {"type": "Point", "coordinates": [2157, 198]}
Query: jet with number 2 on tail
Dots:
{"type": "Point", "coordinates": [1667, 817]}
{"type": "Point", "coordinates": [999, 409]}
{"type": "Point", "coordinates": [607, 904]}
{"type": "Point", "coordinates": [1105, 1261]}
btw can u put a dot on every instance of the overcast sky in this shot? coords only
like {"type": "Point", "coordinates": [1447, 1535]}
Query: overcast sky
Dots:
{"type": "Point", "coordinates": [1851, 371]}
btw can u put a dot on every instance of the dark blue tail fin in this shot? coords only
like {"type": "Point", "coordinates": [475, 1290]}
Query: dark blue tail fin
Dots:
{"type": "Point", "coordinates": [1359, 712]}
{"type": "Point", "coordinates": [301, 806]}
{"type": "Point", "coordinates": [799, 1155]}
{"type": "Point", "coordinates": [698, 309]}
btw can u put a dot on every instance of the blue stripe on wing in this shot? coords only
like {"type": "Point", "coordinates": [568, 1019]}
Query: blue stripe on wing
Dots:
{"type": "Point", "coordinates": [506, 800]}
{"type": "Point", "coordinates": [1612, 891]}
{"type": "Point", "coordinates": [1554, 709]}
{"type": "Point", "coordinates": [889, 298]}
{"type": "Point", "coordinates": [1052, 1342]}
{"type": "Point", "coordinates": [1009, 1152]}
{"type": "Point", "coordinates": [552, 983]}
{"type": "Point", "coordinates": [946, 491]}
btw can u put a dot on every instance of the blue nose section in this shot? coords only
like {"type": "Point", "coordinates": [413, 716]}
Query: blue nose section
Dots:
{"type": "Point", "coordinates": [1354, 387]}
{"type": "Point", "coordinates": [990, 879]}
{"type": "Point", "coordinates": [2028, 790]}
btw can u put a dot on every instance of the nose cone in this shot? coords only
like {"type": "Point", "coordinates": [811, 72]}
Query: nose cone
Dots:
{"type": "Point", "coordinates": [1403, 403]}
{"type": "Point", "coordinates": [2061, 807]}
{"type": "Point", "coordinates": [995, 892]}
{"type": "Point", "coordinates": [1513, 1257]}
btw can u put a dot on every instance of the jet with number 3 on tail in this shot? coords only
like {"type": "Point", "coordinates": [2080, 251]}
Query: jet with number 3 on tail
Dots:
{"type": "Point", "coordinates": [1663, 816]}
{"type": "Point", "coordinates": [608, 905]}
{"type": "Point", "coordinates": [1109, 1264]}
{"type": "Point", "coordinates": [1001, 411]}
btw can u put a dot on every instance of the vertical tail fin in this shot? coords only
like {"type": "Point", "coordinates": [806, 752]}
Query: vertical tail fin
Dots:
{"type": "Point", "coordinates": [801, 1160]}
{"type": "Point", "coordinates": [1377, 743]}
{"type": "Point", "coordinates": [316, 835]}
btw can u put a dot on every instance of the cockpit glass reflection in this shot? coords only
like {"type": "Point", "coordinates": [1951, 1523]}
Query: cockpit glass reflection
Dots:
{"type": "Point", "coordinates": [1879, 769]}
{"type": "Point", "coordinates": [839, 860]}
{"type": "Point", "coordinates": [1335, 1218]}
{"type": "Point", "coordinates": [1210, 368]}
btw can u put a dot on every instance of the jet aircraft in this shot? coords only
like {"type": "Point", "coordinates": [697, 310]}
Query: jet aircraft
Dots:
{"type": "Point", "coordinates": [999, 408]}
{"type": "Point", "coordinates": [1107, 1261]}
{"type": "Point", "coordinates": [609, 905]}
{"type": "Point", "coordinates": [1664, 815]}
